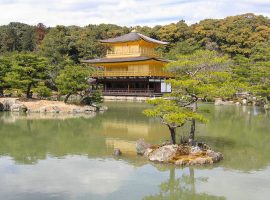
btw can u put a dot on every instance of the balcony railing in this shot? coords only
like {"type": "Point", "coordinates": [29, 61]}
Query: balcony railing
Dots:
{"type": "Point", "coordinates": [131, 92]}
{"type": "Point", "coordinates": [127, 53]}
{"type": "Point", "coordinates": [131, 74]}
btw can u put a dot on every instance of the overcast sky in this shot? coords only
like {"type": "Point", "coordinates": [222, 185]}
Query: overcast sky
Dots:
{"type": "Point", "coordinates": [124, 12]}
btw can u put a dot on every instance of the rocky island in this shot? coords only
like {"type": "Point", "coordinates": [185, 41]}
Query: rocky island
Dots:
{"type": "Point", "coordinates": [179, 154]}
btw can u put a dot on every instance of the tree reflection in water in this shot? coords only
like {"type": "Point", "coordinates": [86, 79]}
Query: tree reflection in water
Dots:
{"type": "Point", "coordinates": [182, 188]}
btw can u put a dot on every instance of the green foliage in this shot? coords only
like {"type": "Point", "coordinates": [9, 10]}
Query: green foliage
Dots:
{"type": "Point", "coordinates": [74, 43]}
{"type": "Point", "coordinates": [233, 35]}
{"type": "Point", "coordinates": [42, 90]}
{"type": "Point", "coordinates": [97, 97]}
{"type": "Point", "coordinates": [5, 67]}
{"type": "Point", "coordinates": [57, 45]}
{"type": "Point", "coordinates": [244, 38]}
{"type": "Point", "coordinates": [174, 32]}
{"type": "Point", "coordinates": [13, 92]}
{"type": "Point", "coordinates": [27, 70]}
{"type": "Point", "coordinates": [94, 98]}
{"type": "Point", "coordinates": [73, 79]}
{"type": "Point", "coordinates": [171, 113]}
{"type": "Point", "coordinates": [198, 61]}
{"type": "Point", "coordinates": [254, 71]}
{"type": "Point", "coordinates": [184, 47]}
{"type": "Point", "coordinates": [17, 37]}
{"type": "Point", "coordinates": [203, 74]}
{"type": "Point", "coordinates": [260, 76]}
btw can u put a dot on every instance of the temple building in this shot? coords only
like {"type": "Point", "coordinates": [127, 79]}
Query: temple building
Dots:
{"type": "Point", "coordinates": [131, 67]}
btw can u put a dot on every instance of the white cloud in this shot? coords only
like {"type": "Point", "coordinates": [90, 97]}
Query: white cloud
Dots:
{"type": "Point", "coordinates": [72, 176]}
{"type": "Point", "coordinates": [124, 12]}
{"type": "Point", "coordinates": [78, 177]}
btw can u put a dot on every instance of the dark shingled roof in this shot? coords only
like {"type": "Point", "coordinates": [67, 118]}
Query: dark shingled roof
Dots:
{"type": "Point", "coordinates": [133, 36]}
{"type": "Point", "coordinates": [127, 59]}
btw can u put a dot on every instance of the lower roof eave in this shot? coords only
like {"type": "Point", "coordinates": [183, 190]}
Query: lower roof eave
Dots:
{"type": "Point", "coordinates": [122, 60]}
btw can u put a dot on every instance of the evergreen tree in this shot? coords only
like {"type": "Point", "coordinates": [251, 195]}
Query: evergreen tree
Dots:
{"type": "Point", "coordinates": [200, 75]}
{"type": "Point", "coordinates": [72, 80]}
{"type": "Point", "coordinates": [27, 70]}
{"type": "Point", "coordinates": [5, 67]}
{"type": "Point", "coordinates": [171, 114]}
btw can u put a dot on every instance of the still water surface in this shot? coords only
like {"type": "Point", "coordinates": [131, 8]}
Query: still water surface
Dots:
{"type": "Point", "coordinates": [71, 158]}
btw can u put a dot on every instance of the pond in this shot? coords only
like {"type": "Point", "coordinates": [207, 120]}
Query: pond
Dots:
{"type": "Point", "coordinates": [71, 158]}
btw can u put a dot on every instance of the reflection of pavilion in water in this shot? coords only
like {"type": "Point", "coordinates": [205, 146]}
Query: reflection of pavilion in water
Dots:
{"type": "Point", "coordinates": [130, 130]}
{"type": "Point", "coordinates": [133, 130]}
{"type": "Point", "coordinates": [127, 147]}
{"type": "Point", "coordinates": [123, 135]}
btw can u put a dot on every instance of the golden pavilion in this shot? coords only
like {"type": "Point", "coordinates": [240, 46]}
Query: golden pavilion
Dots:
{"type": "Point", "coordinates": [131, 67]}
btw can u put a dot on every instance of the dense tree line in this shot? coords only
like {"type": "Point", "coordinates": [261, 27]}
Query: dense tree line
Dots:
{"type": "Point", "coordinates": [233, 35]}
{"type": "Point", "coordinates": [244, 38]}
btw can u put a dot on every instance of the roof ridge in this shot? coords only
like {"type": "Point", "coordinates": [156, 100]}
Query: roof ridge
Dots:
{"type": "Point", "coordinates": [132, 36]}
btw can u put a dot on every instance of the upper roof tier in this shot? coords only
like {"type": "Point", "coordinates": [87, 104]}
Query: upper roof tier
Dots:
{"type": "Point", "coordinates": [133, 36]}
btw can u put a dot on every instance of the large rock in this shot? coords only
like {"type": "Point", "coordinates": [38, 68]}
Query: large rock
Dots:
{"type": "Point", "coordinates": [164, 153]}
{"type": "Point", "coordinates": [43, 109]}
{"type": "Point", "coordinates": [8, 102]}
{"type": "Point", "coordinates": [195, 151]}
{"type": "Point", "coordinates": [117, 152]}
{"type": "Point", "coordinates": [216, 156]}
{"type": "Point", "coordinates": [90, 109]}
{"type": "Point", "coordinates": [218, 102]}
{"type": "Point", "coordinates": [183, 150]}
{"type": "Point", "coordinates": [52, 109]}
{"type": "Point", "coordinates": [1, 107]}
{"type": "Point", "coordinates": [18, 107]}
{"type": "Point", "coordinates": [148, 152]}
{"type": "Point", "coordinates": [76, 110]}
{"type": "Point", "coordinates": [103, 108]}
{"type": "Point", "coordinates": [141, 146]}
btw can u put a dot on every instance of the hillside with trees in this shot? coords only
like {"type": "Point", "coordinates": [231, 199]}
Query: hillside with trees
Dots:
{"type": "Point", "coordinates": [243, 38]}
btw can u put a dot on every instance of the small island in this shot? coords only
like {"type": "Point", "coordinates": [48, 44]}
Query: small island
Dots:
{"type": "Point", "coordinates": [179, 154]}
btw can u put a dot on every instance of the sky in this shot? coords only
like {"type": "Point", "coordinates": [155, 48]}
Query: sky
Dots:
{"type": "Point", "coordinates": [124, 12]}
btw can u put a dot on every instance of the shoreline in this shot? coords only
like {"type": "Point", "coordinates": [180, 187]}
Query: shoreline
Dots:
{"type": "Point", "coordinates": [46, 106]}
{"type": "Point", "coordinates": [217, 102]}
{"type": "Point", "coordinates": [178, 154]}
